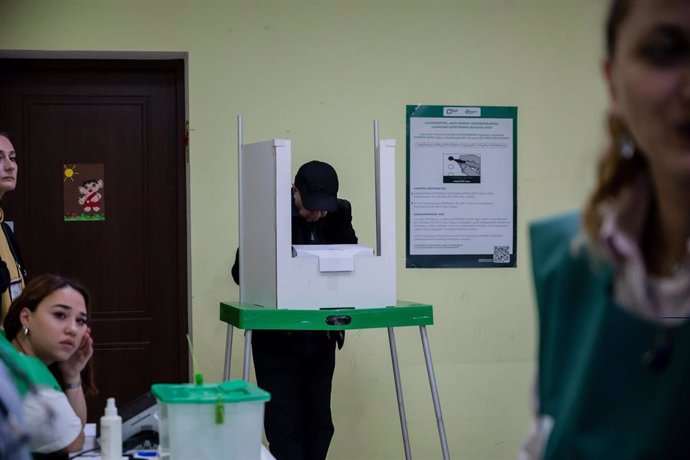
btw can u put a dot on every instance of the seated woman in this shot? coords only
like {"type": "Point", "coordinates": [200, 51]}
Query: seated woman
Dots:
{"type": "Point", "coordinates": [49, 321]}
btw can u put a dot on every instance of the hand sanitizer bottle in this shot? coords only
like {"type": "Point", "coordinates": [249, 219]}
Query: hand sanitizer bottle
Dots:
{"type": "Point", "coordinates": [111, 433]}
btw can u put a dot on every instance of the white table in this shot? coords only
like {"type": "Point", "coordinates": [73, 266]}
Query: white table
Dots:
{"type": "Point", "coordinates": [90, 444]}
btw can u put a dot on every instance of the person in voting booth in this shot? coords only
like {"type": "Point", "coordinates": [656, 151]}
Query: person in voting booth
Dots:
{"type": "Point", "coordinates": [47, 326]}
{"type": "Point", "coordinates": [613, 283]}
{"type": "Point", "coordinates": [13, 274]}
{"type": "Point", "coordinates": [296, 367]}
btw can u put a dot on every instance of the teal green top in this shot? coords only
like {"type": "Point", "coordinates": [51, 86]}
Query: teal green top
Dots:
{"type": "Point", "coordinates": [25, 370]}
{"type": "Point", "coordinates": [232, 391]}
{"type": "Point", "coordinates": [605, 403]}
{"type": "Point", "coordinates": [245, 316]}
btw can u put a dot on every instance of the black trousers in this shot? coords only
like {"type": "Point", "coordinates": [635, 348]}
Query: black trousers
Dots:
{"type": "Point", "coordinates": [296, 367]}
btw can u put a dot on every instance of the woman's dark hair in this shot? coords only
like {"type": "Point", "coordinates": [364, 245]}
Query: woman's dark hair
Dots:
{"type": "Point", "coordinates": [39, 288]}
{"type": "Point", "coordinates": [617, 13]}
{"type": "Point", "coordinates": [615, 173]}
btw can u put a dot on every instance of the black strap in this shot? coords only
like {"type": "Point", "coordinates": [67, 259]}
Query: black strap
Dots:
{"type": "Point", "coordinates": [14, 249]}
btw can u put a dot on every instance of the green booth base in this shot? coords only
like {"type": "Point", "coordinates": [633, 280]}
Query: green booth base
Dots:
{"type": "Point", "coordinates": [250, 317]}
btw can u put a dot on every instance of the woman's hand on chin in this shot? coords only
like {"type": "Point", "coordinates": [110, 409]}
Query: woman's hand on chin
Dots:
{"type": "Point", "coordinates": [72, 367]}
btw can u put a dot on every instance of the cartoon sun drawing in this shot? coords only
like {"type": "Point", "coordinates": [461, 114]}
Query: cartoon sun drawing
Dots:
{"type": "Point", "coordinates": [69, 172]}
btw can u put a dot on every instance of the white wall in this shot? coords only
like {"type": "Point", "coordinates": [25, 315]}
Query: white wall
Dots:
{"type": "Point", "coordinates": [318, 73]}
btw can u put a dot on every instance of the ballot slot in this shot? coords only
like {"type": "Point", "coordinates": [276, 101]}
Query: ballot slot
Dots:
{"type": "Point", "coordinates": [333, 257]}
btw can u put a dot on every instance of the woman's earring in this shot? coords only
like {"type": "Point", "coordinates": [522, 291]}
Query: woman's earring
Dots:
{"type": "Point", "coordinates": [25, 330]}
{"type": "Point", "coordinates": [627, 147]}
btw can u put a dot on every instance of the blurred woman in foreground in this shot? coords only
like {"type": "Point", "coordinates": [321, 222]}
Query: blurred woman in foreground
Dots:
{"type": "Point", "coordinates": [613, 283]}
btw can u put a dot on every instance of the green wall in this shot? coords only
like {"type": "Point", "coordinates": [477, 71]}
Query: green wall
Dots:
{"type": "Point", "coordinates": [318, 73]}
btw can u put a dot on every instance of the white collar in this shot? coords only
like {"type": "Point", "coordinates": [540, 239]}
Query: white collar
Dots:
{"type": "Point", "coordinates": [661, 300]}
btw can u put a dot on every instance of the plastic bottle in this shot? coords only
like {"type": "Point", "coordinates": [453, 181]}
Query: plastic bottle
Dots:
{"type": "Point", "coordinates": [111, 433]}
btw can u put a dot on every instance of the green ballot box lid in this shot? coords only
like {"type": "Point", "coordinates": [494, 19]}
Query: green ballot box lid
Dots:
{"type": "Point", "coordinates": [232, 391]}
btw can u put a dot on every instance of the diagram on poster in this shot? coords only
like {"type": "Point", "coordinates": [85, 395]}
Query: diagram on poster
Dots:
{"type": "Point", "coordinates": [462, 169]}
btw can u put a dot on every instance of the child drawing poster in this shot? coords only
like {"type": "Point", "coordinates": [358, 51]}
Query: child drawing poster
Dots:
{"type": "Point", "coordinates": [84, 192]}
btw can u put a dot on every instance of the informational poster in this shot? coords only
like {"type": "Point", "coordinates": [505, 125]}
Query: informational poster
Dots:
{"type": "Point", "coordinates": [83, 192]}
{"type": "Point", "coordinates": [461, 186]}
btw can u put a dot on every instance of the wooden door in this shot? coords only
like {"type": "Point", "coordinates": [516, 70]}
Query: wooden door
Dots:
{"type": "Point", "coordinates": [127, 116]}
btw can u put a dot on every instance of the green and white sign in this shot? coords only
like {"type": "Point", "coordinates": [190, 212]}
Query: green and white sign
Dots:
{"type": "Point", "coordinates": [461, 186]}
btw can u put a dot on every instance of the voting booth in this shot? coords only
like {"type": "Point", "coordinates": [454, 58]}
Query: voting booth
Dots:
{"type": "Point", "coordinates": [318, 287]}
{"type": "Point", "coordinates": [276, 274]}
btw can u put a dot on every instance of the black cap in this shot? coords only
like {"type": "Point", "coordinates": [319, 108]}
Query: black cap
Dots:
{"type": "Point", "coordinates": [317, 183]}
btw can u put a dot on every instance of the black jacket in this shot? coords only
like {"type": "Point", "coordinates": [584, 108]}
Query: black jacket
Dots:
{"type": "Point", "coordinates": [335, 228]}
{"type": "Point", "coordinates": [14, 248]}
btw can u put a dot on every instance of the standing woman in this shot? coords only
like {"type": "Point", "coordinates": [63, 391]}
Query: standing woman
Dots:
{"type": "Point", "coordinates": [49, 321]}
{"type": "Point", "coordinates": [13, 274]}
{"type": "Point", "coordinates": [613, 284]}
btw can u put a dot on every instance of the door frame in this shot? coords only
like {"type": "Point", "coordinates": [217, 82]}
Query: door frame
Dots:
{"type": "Point", "coordinates": [144, 56]}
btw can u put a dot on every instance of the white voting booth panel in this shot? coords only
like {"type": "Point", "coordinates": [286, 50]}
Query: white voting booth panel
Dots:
{"type": "Point", "coordinates": [333, 276]}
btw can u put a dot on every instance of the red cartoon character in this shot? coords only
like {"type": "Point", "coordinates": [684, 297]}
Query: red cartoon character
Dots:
{"type": "Point", "coordinates": [90, 198]}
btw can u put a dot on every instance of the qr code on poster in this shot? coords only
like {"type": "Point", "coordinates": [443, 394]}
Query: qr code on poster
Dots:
{"type": "Point", "coordinates": [501, 255]}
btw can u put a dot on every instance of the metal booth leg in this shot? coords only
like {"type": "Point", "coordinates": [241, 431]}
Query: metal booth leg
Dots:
{"type": "Point", "coordinates": [399, 394]}
{"type": "Point", "coordinates": [247, 354]}
{"type": "Point", "coordinates": [228, 353]}
{"type": "Point", "coordinates": [434, 392]}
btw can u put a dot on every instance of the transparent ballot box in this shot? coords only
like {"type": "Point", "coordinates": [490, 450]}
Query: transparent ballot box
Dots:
{"type": "Point", "coordinates": [210, 421]}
